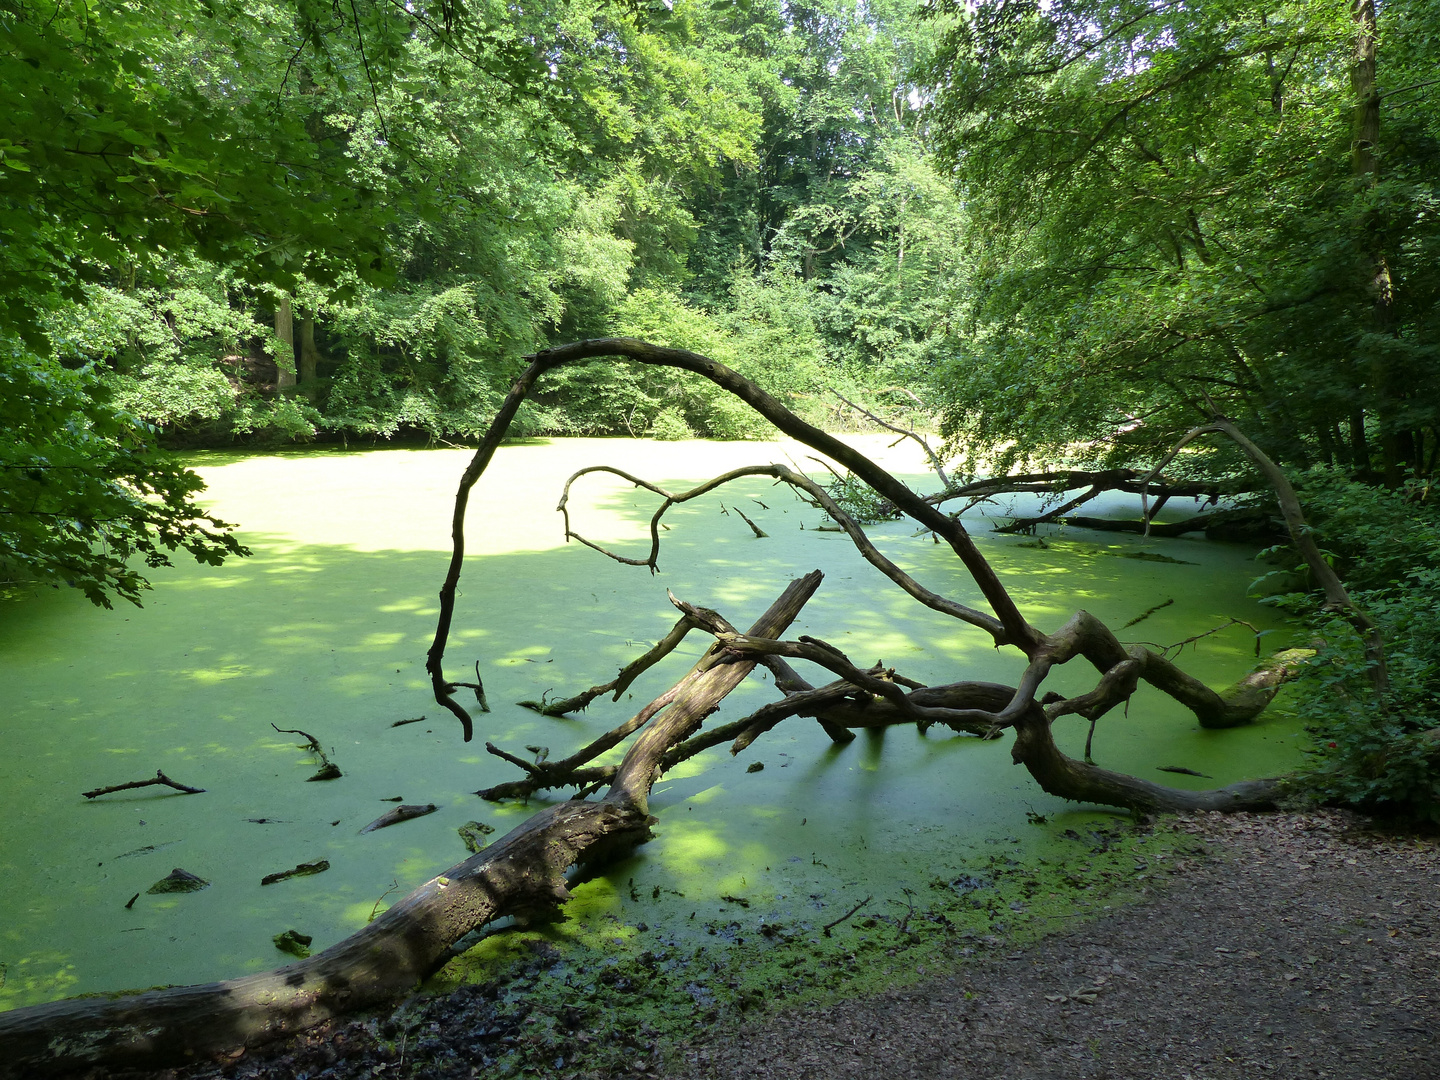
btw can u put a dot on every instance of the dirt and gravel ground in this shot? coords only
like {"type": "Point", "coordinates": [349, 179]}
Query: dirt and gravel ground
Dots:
{"type": "Point", "coordinates": [1302, 947]}
{"type": "Point", "coordinates": [1288, 946]}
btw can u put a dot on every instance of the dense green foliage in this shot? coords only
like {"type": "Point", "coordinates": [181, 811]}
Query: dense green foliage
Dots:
{"type": "Point", "coordinates": [1070, 230]}
{"type": "Point", "coordinates": [1178, 209]}
{"type": "Point", "coordinates": [1171, 202]}
{"type": "Point", "coordinates": [84, 495]}
{"type": "Point", "coordinates": [281, 221]}
{"type": "Point", "coordinates": [1375, 753]}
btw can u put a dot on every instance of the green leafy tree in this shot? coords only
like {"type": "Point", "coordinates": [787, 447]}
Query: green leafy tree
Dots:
{"type": "Point", "coordinates": [1169, 204]}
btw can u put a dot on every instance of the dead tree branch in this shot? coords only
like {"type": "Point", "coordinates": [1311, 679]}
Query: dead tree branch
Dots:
{"type": "Point", "coordinates": [328, 769]}
{"type": "Point", "coordinates": [628, 674]}
{"type": "Point", "coordinates": [1013, 627]}
{"type": "Point", "coordinates": [935, 462]}
{"type": "Point", "coordinates": [822, 499]}
{"type": "Point", "coordinates": [1070, 779]}
{"type": "Point", "coordinates": [158, 779]}
{"type": "Point", "coordinates": [1007, 626]}
{"type": "Point", "coordinates": [831, 925]}
{"type": "Point", "coordinates": [1337, 598]}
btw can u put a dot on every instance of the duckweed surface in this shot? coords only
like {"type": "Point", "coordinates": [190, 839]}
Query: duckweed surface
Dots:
{"type": "Point", "coordinates": [325, 630]}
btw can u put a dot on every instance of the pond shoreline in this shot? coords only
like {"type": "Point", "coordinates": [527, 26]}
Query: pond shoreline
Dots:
{"type": "Point", "coordinates": [1289, 944]}
{"type": "Point", "coordinates": [325, 630]}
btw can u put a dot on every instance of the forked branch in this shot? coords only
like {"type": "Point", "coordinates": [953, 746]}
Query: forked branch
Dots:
{"type": "Point", "coordinates": [823, 499]}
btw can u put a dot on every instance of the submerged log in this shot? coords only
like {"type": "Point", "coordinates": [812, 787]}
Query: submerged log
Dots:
{"type": "Point", "coordinates": [304, 869]}
{"type": "Point", "coordinates": [522, 875]}
{"type": "Point", "coordinates": [1251, 526]}
{"type": "Point", "coordinates": [399, 814]}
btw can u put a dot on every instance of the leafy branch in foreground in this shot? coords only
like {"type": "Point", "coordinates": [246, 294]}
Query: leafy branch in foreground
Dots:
{"type": "Point", "coordinates": [83, 491]}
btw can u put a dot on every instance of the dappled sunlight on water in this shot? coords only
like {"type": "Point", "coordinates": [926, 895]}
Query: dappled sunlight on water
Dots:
{"type": "Point", "coordinates": [326, 628]}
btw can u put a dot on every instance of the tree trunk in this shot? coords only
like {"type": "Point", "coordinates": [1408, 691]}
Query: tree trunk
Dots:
{"type": "Point", "coordinates": [1359, 448]}
{"type": "Point", "coordinates": [309, 355]}
{"type": "Point", "coordinates": [1365, 167]}
{"type": "Point", "coordinates": [285, 331]}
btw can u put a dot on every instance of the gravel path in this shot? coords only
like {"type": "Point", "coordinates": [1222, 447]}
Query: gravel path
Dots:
{"type": "Point", "coordinates": [1291, 946]}
{"type": "Point", "coordinates": [1312, 950]}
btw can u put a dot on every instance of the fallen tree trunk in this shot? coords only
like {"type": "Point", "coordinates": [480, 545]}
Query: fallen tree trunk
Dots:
{"type": "Point", "coordinates": [1220, 525]}
{"type": "Point", "coordinates": [520, 875]}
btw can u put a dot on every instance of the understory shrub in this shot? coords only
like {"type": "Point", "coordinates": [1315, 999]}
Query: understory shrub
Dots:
{"type": "Point", "coordinates": [669, 425]}
{"type": "Point", "coordinates": [1379, 753]}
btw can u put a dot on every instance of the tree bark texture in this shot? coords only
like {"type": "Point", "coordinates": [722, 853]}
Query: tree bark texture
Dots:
{"type": "Point", "coordinates": [285, 331]}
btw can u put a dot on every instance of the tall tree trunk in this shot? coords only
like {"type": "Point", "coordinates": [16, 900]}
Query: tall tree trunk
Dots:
{"type": "Point", "coordinates": [285, 331]}
{"type": "Point", "coordinates": [1382, 291]}
{"type": "Point", "coordinates": [1337, 442]}
{"type": "Point", "coordinates": [309, 355]}
{"type": "Point", "coordinates": [1359, 448]}
{"type": "Point", "coordinates": [1327, 449]}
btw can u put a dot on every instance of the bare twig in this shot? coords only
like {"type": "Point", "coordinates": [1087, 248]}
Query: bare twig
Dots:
{"type": "Point", "coordinates": [311, 743]}
{"type": "Point", "coordinates": [822, 498]}
{"type": "Point", "coordinates": [935, 462]}
{"type": "Point", "coordinates": [831, 925]}
{"type": "Point", "coordinates": [628, 674]}
{"type": "Point", "coordinates": [158, 779]}
{"type": "Point", "coordinates": [1179, 646]}
{"type": "Point", "coordinates": [1148, 612]}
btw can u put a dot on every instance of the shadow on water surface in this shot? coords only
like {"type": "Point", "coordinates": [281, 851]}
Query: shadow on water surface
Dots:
{"type": "Point", "coordinates": [330, 638]}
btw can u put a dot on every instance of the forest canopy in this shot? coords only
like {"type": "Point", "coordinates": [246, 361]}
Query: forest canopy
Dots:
{"type": "Point", "coordinates": [1068, 223]}
{"type": "Point", "coordinates": [1064, 232]}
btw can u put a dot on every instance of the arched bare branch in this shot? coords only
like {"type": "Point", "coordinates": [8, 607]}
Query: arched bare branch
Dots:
{"type": "Point", "coordinates": [1337, 598]}
{"type": "Point", "coordinates": [1015, 629]}
{"type": "Point", "coordinates": [822, 498]}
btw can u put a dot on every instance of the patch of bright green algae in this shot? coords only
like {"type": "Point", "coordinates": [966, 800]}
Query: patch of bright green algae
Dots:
{"type": "Point", "coordinates": [654, 981]}
{"type": "Point", "coordinates": [326, 628]}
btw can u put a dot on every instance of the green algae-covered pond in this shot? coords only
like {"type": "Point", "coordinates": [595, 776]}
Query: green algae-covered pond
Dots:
{"type": "Point", "coordinates": [326, 627]}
